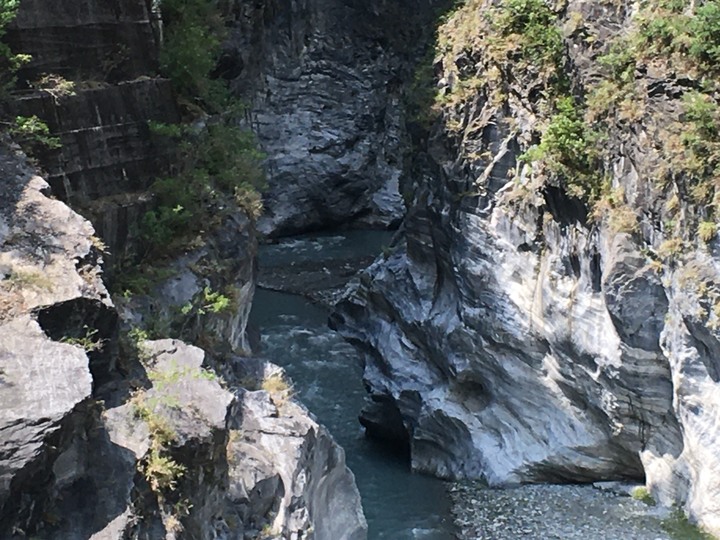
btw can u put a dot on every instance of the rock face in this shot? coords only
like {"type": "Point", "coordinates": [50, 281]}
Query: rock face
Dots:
{"type": "Point", "coordinates": [93, 81]}
{"type": "Point", "coordinates": [324, 79]}
{"type": "Point", "coordinates": [50, 267]}
{"type": "Point", "coordinates": [84, 39]}
{"type": "Point", "coordinates": [35, 408]}
{"type": "Point", "coordinates": [160, 446]}
{"type": "Point", "coordinates": [180, 305]}
{"type": "Point", "coordinates": [512, 337]}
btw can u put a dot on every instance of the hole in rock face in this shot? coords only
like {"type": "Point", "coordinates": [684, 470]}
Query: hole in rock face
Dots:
{"type": "Point", "coordinates": [575, 265]}
{"type": "Point", "coordinates": [89, 324]}
{"type": "Point", "coordinates": [524, 247]}
{"type": "Point", "coordinates": [384, 424]}
{"type": "Point", "coordinates": [397, 452]}
{"type": "Point", "coordinates": [626, 468]}
{"type": "Point", "coordinates": [565, 209]}
{"type": "Point", "coordinates": [472, 394]}
{"type": "Point", "coordinates": [596, 272]}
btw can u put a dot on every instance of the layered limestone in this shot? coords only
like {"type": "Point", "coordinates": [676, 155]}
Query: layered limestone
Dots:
{"type": "Point", "coordinates": [93, 80]}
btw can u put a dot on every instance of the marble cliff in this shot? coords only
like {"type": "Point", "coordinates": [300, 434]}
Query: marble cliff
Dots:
{"type": "Point", "coordinates": [549, 310]}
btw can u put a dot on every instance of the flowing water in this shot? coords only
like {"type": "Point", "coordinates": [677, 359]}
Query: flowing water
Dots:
{"type": "Point", "coordinates": [328, 380]}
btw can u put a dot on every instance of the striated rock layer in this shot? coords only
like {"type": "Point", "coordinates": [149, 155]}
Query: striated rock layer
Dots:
{"type": "Point", "coordinates": [512, 336]}
{"type": "Point", "coordinates": [93, 80]}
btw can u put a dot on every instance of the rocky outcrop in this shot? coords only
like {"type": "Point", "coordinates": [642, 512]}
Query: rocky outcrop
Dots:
{"type": "Point", "coordinates": [49, 263]}
{"type": "Point", "coordinates": [287, 475]}
{"type": "Point", "coordinates": [205, 294]}
{"type": "Point", "coordinates": [160, 445]}
{"type": "Point", "coordinates": [243, 463]}
{"type": "Point", "coordinates": [38, 412]}
{"type": "Point", "coordinates": [511, 335]}
{"type": "Point", "coordinates": [324, 80]}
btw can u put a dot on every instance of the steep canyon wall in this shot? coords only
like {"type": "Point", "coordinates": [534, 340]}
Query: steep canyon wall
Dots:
{"type": "Point", "coordinates": [547, 313]}
{"type": "Point", "coordinates": [324, 78]}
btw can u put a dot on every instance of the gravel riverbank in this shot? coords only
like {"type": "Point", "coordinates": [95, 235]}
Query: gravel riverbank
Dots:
{"type": "Point", "coordinates": [553, 512]}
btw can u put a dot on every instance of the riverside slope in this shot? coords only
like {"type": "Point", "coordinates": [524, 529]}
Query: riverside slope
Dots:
{"type": "Point", "coordinates": [509, 337]}
{"type": "Point", "coordinates": [83, 419]}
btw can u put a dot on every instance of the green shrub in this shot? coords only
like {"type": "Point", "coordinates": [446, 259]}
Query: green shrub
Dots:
{"type": "Point", "coordinates": [535, 22]}
{"type": "Point", "coordinates": [9, 61]}
{"type": "Point", "coordinates": [705, 30]}
{"type": "Point", "coordinates": [55, 85]}
{"type": "Point", "coordinates": [678, 527]}
{"type": "Point", "coordinates": [230, 156]}
{"type": "Point", "coordinates": [421, 94]}
{"type": "Point", "coordinates": [138, 279]}
{"type": "Point", "coordinates": [620, 61]}
{"type": "Point", "coordinates": [569, 149]}
{"type": "Point", "coordinates": [704, 113]}
{"type": "Point", "coordinates": [215, 301]}
{"type": "Point", "coordinates": [642, 494]}
{"type": "Point", "coordinates": [662, 32]}
{"type": "Point", "coordinates": [565, 136]}
{"type": "Point", "coordinates": [700, 159]}
{"type": "Point", "coordinates": [160, 470]}
{"type": "Point", "coordinates": [89, 341]}
{"type": "Point", "coordinates": [216, 164]}
{"type": "Point", "coordinates": [215, 161]}
{"type": "Point", "coordinates": [209, 301]}
{"type": "Point", "coordinates": [170, 131]}
{"type": "Point", "coordinates": [33, 135]}
{"type": "Point", "coordinates": [220, 160]}
{"type": "Point", "coordinates": [193, 32]}
{"type": "Point", "coordinates": [707, 230]}
{"type": "Point", "coordinates": [666, 28]}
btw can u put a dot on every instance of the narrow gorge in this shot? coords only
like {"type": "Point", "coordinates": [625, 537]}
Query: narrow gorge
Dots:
{"type": "Point", "coordinates": [505, 207]}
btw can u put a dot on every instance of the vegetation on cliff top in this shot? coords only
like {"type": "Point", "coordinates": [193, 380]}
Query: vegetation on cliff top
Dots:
{"type": "Point", "coordinates": [30, 132]}
{"type": "Point", "coordinates": [193, 33]}
{"type": "Point", "coordinates": [216, 158]}
{"type": "Point", "coordinates": [679, 42]}
{"type": "Point", "coordinates": [487, 52]}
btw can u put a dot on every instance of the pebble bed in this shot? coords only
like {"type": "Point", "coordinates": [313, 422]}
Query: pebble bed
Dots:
{"type": "Point", "coordinates": [553, 512]}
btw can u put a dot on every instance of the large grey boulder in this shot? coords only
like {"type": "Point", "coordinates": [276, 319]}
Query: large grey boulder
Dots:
{"type": "Point", "coordinates": [42, 387]}
{"type": "Point", "coordinates": [56, 329]}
